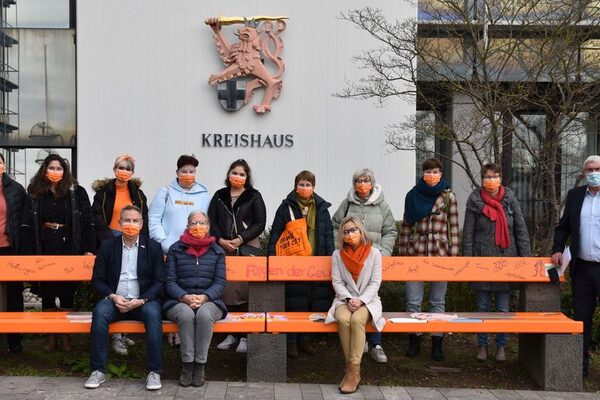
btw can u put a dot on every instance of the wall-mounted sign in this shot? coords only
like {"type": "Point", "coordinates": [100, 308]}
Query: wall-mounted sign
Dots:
{"type": "Point", "coordinates": [253, 140]}
{"type": "Point", "coordinates": [245, 69]}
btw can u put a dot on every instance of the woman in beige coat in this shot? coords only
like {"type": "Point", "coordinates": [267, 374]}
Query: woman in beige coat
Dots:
{"type": "Point", "coordinates": [356, 277]}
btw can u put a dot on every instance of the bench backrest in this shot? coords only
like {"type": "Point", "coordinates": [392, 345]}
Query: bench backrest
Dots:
{"type": "Point", "coordinates": [444, 269]}
{"type": "Point", "coordinates": [79, 268]}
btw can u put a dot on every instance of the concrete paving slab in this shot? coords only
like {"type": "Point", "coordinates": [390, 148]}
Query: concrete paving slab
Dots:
{"type": "Point", "coordinates": [331, 392]}
{"type": "Point", "coordinates": [249, 391]}
{"type": "Point", "coordinates": [425, 394]}
{"type": "Point", "coordinates": [394, 393]}
{"type": "Point", "coordinates": [138, 388]}
{"type": "Point", "coordinates": [467, 394]}
{"type": "Point", "coordinates": [568, 396]}
{"type": "Point", "coordinates": [215, 390]}
{"type": "Point", "coordinates": [372, 392]}
{"type": "Point", "coordinates": [287, 391]}
{"type": "Point", "coordinates": [528, 395]}
{"type": "Point", "coordinates": [20, 384]}
{"type": "Point", "coordinates": [190, 392]}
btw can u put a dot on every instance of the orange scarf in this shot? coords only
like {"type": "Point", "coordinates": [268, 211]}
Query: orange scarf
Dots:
{"type": "Point", "coordinates": [354, 260]}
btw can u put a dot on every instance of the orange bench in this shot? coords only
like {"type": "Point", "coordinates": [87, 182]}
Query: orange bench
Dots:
{"type": "Point", "coordinates": [79, 268]}
{"type": "Point", "coordinates": [547, 338]}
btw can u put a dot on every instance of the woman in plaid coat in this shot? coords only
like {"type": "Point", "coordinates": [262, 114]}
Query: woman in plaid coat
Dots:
{"type": "Point", "coordinates": [429, 228]}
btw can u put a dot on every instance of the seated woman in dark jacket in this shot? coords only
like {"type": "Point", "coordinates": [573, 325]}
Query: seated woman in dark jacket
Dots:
{"type": "Point", "coordinates": [195, 284]}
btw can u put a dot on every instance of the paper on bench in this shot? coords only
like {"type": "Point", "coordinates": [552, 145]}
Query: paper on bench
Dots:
{"type": "Point", "coordinates": [434, 316]}
{"type": "Point", "coordinates": [79, 316]}
{"type": "Point", "coordinates": [407, 321]}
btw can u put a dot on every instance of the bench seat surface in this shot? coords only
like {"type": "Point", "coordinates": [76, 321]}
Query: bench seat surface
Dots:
{"type": "Point", "coordinates": [519, 322]}
{"type": "Point", "coordinates": [80, 322]}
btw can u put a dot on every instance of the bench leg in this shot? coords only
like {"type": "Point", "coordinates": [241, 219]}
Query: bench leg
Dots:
{"type": "Point", "coordinates": [553, 360]}
{"type": "Point", "coordinates": [267, 354]}
{"type": "Point", "coordinates": [539, 297]}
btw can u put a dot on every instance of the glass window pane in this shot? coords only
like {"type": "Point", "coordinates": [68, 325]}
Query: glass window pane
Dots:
{"type": "Point", "coordinates": [39, 14]}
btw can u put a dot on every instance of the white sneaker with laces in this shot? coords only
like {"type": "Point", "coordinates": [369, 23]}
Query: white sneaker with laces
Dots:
{"type": "Point", "coordinates": [379, 355]}
{"type": "Point", "coordinates": [119, 346]}
{"type": "Point", "coordinates": [153, 381]}
{"type": "Point", "coordinates": [96, 379]}
{"type": "Point", "coordinates": [366, 348]}
{"type": "Point", "coordinates": [228, 343]}
{"type": "Point", "coordinates": [242, 346]}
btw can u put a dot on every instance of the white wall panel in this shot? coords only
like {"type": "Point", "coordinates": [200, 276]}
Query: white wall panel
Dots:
{"type": "Point", "coordinates": [143, 67]}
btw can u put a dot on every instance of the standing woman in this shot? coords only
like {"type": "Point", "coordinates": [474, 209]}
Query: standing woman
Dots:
{"type": "Point", "coordinates": [366, 202]}
{"type": "Point", "coordinates": [172, 204]}
{"type": "Point", "coordinates": [12, 201]}
{"type": "Point", "coordinates": [303, 202]}
{"type": "Point", "coordinates": [356, 277]}
{"type": "Point", "coordinates": [238, 216]}
{"type": "Point", "coordinates": [111, 196]}
{"type": "Point", "coordinates": [429, 229]}
{"type": "Point", "coordinates": [57, 220]}
{"type": "Point", "coordinates": [494, 227]}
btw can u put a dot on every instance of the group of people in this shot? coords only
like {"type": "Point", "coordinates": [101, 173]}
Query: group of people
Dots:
{"type": "Point", "coordinates": [196, 231]}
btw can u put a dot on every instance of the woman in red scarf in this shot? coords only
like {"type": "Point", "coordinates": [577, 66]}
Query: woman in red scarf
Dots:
{"type": "Point", "coordinates": [494, 227]}
{"type": "Point", "coordinates": [356, 277]}
{"type": "Point", "coordinates": [195, 284]}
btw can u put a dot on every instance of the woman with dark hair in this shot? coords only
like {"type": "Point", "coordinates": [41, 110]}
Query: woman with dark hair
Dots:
{"type": "Point", "coordinates": [111, 196]}
{"type": "Point", "coordinates": [429, 229]}
{"type": "Point", "coordinates": [494, 227]}
{"type": "Point", "coordinates": [238, 216]}
{"type": "Point", "coordinates": [12, 201]}
{"type": "Point", "coordinates": [303, 202]}
{"type": "Point", "coordinates": [57, 220]}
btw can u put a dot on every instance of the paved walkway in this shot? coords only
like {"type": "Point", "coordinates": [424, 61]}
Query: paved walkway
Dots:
{"type": "Point", "coordinates": [38, 388]}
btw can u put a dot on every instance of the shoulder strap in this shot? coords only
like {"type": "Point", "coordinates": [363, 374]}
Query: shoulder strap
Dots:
{"type": "Point", "coordinates": [35, 207]}
{"type": "Point", "coordinates": [447, 203]}
{"type": "Point", "coordinates": [347, 208]}
{"type": "Point", "coordinates": [166, 194]}
{"type": "Point", "coordinates": [292, 217]}
{"type": "Point", "coordinates": [76, 223]}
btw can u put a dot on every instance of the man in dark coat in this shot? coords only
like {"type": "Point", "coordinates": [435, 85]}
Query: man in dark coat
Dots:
{"type": "Point", "coordinates": [581, 223]}
{"type": "Point", "coordinates": [129, 274]}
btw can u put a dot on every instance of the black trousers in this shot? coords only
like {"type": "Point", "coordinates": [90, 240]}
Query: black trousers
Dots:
{"type": "Point", "coordinates": [586, 290]}
{"type": "Point", "coordinates": [14, 302]}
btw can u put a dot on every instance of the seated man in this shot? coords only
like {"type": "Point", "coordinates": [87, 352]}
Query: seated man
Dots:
{"type": "Point", "coordinates": [129, 274]}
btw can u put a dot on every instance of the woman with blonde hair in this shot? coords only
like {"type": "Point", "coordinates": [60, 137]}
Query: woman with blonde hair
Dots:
{"type": "Point", "coordinates": [356, 277]}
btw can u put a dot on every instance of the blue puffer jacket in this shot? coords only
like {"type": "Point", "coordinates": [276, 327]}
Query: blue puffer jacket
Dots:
{"type": "Point", "coordinates": [187, 274]}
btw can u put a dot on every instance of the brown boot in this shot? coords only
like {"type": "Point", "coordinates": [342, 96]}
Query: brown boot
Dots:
{"type": "Point", "coordinates": [50, 342]}
{"type": "Point", "coordinates": [345, 376]}
{"type": "Point", "coordinates": [352, 379]}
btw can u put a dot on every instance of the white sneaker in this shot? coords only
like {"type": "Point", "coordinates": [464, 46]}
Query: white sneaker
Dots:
{"type": "Point", "coordinates": [228, 343]}
{"type": "Point", "coordinates": [366, 348]}
{"type": "Point", "coordinates": [119, 346]}
{"type": "Point", "coordinates": [153, 381]}
{"type": "Point", "coordinates": [379, 355]}
{"type": "Point", "coordinates": [242, 346]}
{"type": "Point", "coordinates": [96, 379]}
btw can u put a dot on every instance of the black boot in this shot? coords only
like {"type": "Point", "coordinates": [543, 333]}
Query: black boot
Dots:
{"type": "Point", "coordinates": [198, 379]}
{"type": "Point", "coordinates": [187, 369]}
{"type": "Point", "coordinates": [436, 348]}
{"type": "Point", "coordinates": [414, 345]}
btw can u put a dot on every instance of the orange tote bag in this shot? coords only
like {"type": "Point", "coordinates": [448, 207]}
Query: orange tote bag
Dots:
{"type": "Point", "coordinates": [294, 238]}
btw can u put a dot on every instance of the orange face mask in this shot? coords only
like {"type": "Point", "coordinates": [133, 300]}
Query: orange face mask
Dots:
{"type": "Point", "coordinates": [123, 175]}
{"type": "Point", "coordinates": [352, 238]}
{"type": "Point", "coordinates": [237, 181]}
{"type": "Point", "coordinates": [131, 229]}
{"type": "Point", "coordinates": [187, 180]}
{"type": "Point", "coordinates": [363, 189]}
{"type": "Point", "coordinates": [304, 192]}
{"type": "Point", "coordinates": [54, 176]}
{"type": "Point", "coordinates": [432, 179]}
{"type": "Point", "coordinates": [491, 185]}
{"type": "Point", "coordinates": [198, 231]}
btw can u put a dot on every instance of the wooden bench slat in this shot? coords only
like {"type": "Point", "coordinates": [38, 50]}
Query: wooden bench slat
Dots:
{"type": "Point", "coordinates": [79, 268]}
{"type": "Point", "coordinates": [497, 323]}
{"type": "Point", "coordinates": [430, 269]}
{"type": "Point", "coordinates": [57, 322]}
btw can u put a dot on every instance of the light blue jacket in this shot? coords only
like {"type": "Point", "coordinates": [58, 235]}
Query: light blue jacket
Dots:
{"type": "Point", "coordinates": [170, 208]}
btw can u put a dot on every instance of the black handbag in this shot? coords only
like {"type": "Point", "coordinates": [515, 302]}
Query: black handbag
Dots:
{"type": "Point", "coordinates": [247, 250]}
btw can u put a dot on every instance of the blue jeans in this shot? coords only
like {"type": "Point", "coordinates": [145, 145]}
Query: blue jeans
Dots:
{"type": "Point", "coordinates": [437, 298]}
{"type": "Point", "coordinates": [105, 312]}
{"type": "Point", "coordinates": [502, 299]}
